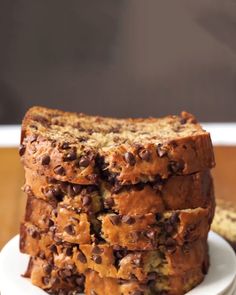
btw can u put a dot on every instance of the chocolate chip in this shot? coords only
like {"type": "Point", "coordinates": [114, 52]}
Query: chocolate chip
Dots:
{"type": "Point", "coordinates": [50, 222]}
{"type": "Point", "coordinates": [116, 188]}
{"type": "Point", "coordinates": [152, 276]}
{"type": "Point", "coordinates": [130, 158]}
{"type": "Point", "coordinates": [45, 160]}
{"type": "Point", "coordinates": [59, 170]}
{"type": "Point", "coordinates": [183, 121]}
{"type": "Point", "coordinates": [86, 200]}
{"type": "Point", "coordinates": [109, 202]}
{"type": "Point", "coordinates": [54, 192]}
{"type": "Point", "coordinates": [158, 216]}
{"type": "Point", "coordinates": [115, 219]}
{"type": "Point", "coordinates": [69, 251]}
{"type": "Point", "coordinates": [45, 280]}
{"type": "Point", "coordinates": [128, 219]}
{"type": "Point", "coordinates": [168, 227]}
{"type": "Point", "coordinates": [41, 255]}
{"type": "Point", "coordinates": [69, 229]}
{"type": "Point", "coordinates": [73, 189]}
{"type": "Point", "coordinates": [175, 167]}
{"type": "Point", "coordinates": [97, 259]}
{"type": "Point", "coordinates": [34, 233]}
{"type": "Point", "coordinates": [65, 145]}
{"type": "Point", "coordinates": [81, 257]}
{"type": "Point", "coordinates": [170, 244]}
{"type": "Point", "coordinates": [47, 269]}
{"type": "Point", "coordinates": [97, 250]}
{"type": "Point", "coordinates": [174, 219]}
{"type": "Point", "coordinates": [53, 249]}
{"type": "Point", "coordinates": [80, 280]}
{"type": "Point", "coordinates": [71, 156]}
{"type": "Point", "coordinates": [161, 152]}
{"type": "Point", "coordinates": [145, 155]}
{"type": "Point", "coordinates": [84, 162]}
{"type": "Point", "coordinates": [22, 149]}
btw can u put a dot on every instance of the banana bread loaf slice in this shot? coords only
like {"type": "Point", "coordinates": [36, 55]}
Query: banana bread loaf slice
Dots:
{"type": "Point", "coordinates": [172, 285]}
{"type": "Point", "coordinates": [135, 232]}
{"type": "Point", "coordinates": [81, 149]}
{"type": "Point", "coordinates": [118, 262]}
{"type": "Point", "coordinates": [177, 192]}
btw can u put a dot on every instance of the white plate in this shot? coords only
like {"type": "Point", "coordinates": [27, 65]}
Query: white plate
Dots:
{"type": "Point", "coordinates": [219, 278]}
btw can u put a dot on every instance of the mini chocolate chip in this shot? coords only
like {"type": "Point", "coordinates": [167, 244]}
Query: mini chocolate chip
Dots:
{"type": "Point", "coordinates": [158, 216]}
{"type": "Point", "coordinates": [175, 167]}
{"type": "Point", "coordinates": [69, 229]}
{"type": "Point", "coordinates": [41, 255]}
{"type": "Point", "coordinates": [53, 249]}
{"type": "Point", "coordinates": [22, 149]}
{"type": "Point", "coordinates": [130, 158]}
{"type": "Point", "coordinates": [45, 280]}
{"type": "Point", "coordinates": [168, 227]}
{"type": "Point", "coordinates": [145, 155]}
{"type": "Point", "coordinates": [65, 145]}
{"type": "Point", "coordinates": [84, 162]}
{"type": "Point", "coordinates": [86, 200]}
{"type": "Point", "coordinates": [97, 250]}
{"type": "Point", "coordinates": [97, 259]}
{"type": "Point", "coordinates": [50, 222]}
{"type": "Point", "coordinates": [71, 156]}
{"type": "Point", "coordinates": [80, 280]}
{"type": "Point", "coordinates": [47, 269]}
{"type": "Point", "coordinates": [109, 202]}
{"type": "Point", "coordinates": [170, 244]}
{"type": "Point", "coordinates": [81, 257]}
{"type": "Point", "coordinates": [152, 276]}
{"type": "Point", "coordinates": [183, 121]}
{"type": "Point", "coordinates": [115, 219]}
{"type": "Point", "coordinates": [174, 219]}
{"type": "Point", "coordinates": [45, 160]}
{"type": "Point", "coordinates": [34, 233]}
{"type": "Point", "coordinates": [59, 170]}
{"type": "Point", "coordinates": [69, 251]}
{"type": "Point", "coordinates": [161, 152]}
{"type": "Point", "coordinates": [128, 219]}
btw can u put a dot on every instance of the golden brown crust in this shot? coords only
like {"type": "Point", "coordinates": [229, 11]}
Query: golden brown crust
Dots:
{"type": "Point", "coordinates": [168, 146]}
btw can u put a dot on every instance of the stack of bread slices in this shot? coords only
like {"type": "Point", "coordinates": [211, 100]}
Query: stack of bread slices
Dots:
{"type": "Point", "coordinates": [116, 206]}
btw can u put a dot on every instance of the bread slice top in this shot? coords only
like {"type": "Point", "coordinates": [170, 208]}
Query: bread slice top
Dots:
{"type": "Point", "coordinates": [103, 133]}
{"type": "Point", "coordinates": [131, 150]}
